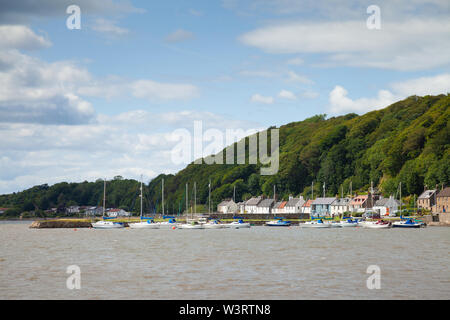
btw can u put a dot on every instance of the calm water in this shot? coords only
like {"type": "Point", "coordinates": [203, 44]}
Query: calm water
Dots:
{"type": "Point", "coordinates": [257, 263]}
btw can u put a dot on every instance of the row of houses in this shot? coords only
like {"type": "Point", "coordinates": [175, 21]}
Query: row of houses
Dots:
{"type": "Point", "coordinates": [322, 206]}
{"type": "Point", "coordinates": [96, 211]}
{"type": "Point", "coordinates": [437, 201]}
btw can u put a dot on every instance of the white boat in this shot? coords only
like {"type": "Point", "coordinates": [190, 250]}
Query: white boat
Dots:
{"type": "Point", "coordinates": [334, 224]}
{"type": "Point", "coordinates": [238, 224]}
{"type": "Point", "coordinates": [191, 225]}
{"type": "Point", "coordinates": [278, 223]}
{"type": "Point", "coordinates": [169, 224]}
{"type": "Point", "coordinates": [145, 223]}
{"type": "Point", "coordinates": [214, 224]}
{"type": "Point", "coordinates": [315, 224]}
{"type": "Point", "coordinates": [349, 223]}
{"type": "Point", "coordinates": [105, 223]}
{"type": "Point", "coordinates": [377, 224]}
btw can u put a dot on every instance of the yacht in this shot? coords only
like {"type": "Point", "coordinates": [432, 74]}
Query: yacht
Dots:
{"type": "Point", "coordinates": [145, 223]}
{"type": "Point", "coordinates": [315, 224]}
{"type": "Point", "coordinates": [106, 223]}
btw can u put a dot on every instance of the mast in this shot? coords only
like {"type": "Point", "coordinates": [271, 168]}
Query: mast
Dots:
{"type": "Point", "coordinates": [401, 213]}
{"type": "Point", "coordinates": [141, 196]}
{"type": "Point", "coordinates": [312, 190]}
{"type": "Point", "coordinates": [274, 193]}
{"type": "Point", "coordinates": [104, 197]}
{"type": "Point", "coordinates": [209, 197]}
{"type": "Point", "coordinates": [187, 202]}
{"type": "Point", "coordinates": [324, 189]}
{"type": "Point", "coordinates": [195, 197]}
{"type": "Point", "coordinates": [162, 195]}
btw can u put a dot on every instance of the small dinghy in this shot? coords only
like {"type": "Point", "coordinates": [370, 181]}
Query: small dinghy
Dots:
{"type": "Point", "coordinates": [191, 225]}
{"type": "Point", "coordinates": [278, 223]}
{"type": "Point", "coordinates": [380, 224]}
{"type": "Point", "coordinates": [315, 224]}
{"type": "Point", "coordinates": [408, 223]}
{"type": "Point", "coordinates": [238, 224]}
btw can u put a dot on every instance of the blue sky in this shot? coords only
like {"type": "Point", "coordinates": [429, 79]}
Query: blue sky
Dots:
{"type": "Point", "coordinates": [114, 91]}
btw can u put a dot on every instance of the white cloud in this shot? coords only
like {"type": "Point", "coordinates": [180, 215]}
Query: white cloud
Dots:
{"type": "Point", "coordinates": [257, 98]}
{"type": "Point", "coordinates": [285, 94]}
{"type": "Point", "coordinates": [179, 36]}
{"type": "Point", "coordinates": [341, 103]}
{"type": "Point", "coordinates": [35, 91]}
{"type": "Point", "coordinates": [128, 144]}
{"type": "Point", "coordinates": [292, 76]}
{"type": "Point", "coordinates": [401, 45]}
{"type": "Point", "coordinates": [21, 37]}
{"type": "Point", "coordinates": [109, 27]}
{"type": "Point", "coordinates": [423, 86]}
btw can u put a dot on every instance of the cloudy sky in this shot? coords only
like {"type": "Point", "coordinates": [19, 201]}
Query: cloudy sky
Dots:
{"type": "Point", "coordinates": [105, 100]}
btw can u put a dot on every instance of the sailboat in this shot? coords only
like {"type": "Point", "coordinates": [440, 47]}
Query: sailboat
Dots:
{"type": "Point", "coordinates": [145, 223]}
{"type": "Point", "coordinates": [191, 223]}
{"type": "Point", "coordinates": [171, 223]}
{"type": "Point", "coordinates": [105, 223]}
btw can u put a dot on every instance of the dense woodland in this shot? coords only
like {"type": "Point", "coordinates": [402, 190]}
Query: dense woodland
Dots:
{"type": "Point", "coordinates": [406, 142]}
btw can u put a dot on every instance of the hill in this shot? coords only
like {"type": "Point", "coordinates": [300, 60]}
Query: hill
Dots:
{"type": "Point", "coordinates": [407, 141]}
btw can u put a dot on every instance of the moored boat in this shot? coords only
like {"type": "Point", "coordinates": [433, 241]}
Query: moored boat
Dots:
{"type": "Point", "coordinates": [380, 224]}
{"type": "Point", "coordinates": [279, 222]}
{"type": "Point", "coordinates": [106, 223]}
{"type": "Point", "coordinates": [315, 224]}
{"type": "Point", "coordinates": [408, 223]}
{"type": "Point", "coordinates": [238, 224]}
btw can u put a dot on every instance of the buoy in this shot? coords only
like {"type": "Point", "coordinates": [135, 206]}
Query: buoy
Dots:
{"type": "Point", "coordinates": [75, 229]}
{"type": "Point", "coordinates": [173, 228]}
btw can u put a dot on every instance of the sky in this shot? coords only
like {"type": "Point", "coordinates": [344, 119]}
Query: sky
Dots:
{"type": "Point", "coordinates": [107, 99]}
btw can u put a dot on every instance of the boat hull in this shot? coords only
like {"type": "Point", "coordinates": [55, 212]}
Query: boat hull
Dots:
{"type": "Point", "coordinates": [107, 225]}
{"type": "Point", "coordinates": [191, 226]}
{"type": "Point", "coordinates": [238, 225]}
{"type": "Point", "coordinates": [144, 225]}
{"type": "Point", "coordinates": [315, 225]}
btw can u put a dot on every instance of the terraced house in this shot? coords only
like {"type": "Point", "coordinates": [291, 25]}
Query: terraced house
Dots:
{"type": "Point", "coordinates": [443, 201]}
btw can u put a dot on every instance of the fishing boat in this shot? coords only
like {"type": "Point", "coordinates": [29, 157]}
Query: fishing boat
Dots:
{"type": "Point", "coordinates": [145, 223]}
{"type": "Point", "coordinates": [238, 224]}
{"type": "Point", "coordinates": [380, 224]}
{"type": "Point", "coordinates": [278, 222]}
{"type": "Point", "coordinates": [106, 222]}
{"type": "Point", "coordinates": [408, 223]}
{"type": "Point", "coordinates": [315, 224]}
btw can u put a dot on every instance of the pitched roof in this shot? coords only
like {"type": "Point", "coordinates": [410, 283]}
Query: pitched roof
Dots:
{"type": "Point", "coordinates": [444, 193]}
{"type": "Point", "coordinates": [308, 203]}
{"type": "Point", "coordinates": [266, 203]}
{"type": "Point", "coordinates": [293, 202]}
{"type": "Point", "coordinates": [253, 201]}
{"type": "Point", "coordinates": [359, 199]}
{"type": "Point", "coordinates": [325, 201]}
{"type": "Point", "coordinates": [427, 194]}
{"type": "Point", "coordinates": [341, 202]}
{"type": "Point", "coordinates": [282, 205]}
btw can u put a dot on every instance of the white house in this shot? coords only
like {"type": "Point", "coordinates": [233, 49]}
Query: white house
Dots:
{"type": "Point", "coordinates": [279, 207]}
{"type": "Point", "coordinates": [306, 208]}
{"type": "Point", "coordinates": [93, 211]}
{"type": "Point", "coordinates": [340, 206]}
{"type": "Point", "coordinates": [227, 206]}
{"type": "Point", "coordinates": [73, 210]}
{"type": "Point", "coordinates": [251, 204]}
{"type": "Point", "coordinates": [265, 206]}
{"type": "Point", "coordinates": [386, 206]}
{"type": "Point", "coordinates": [117, 213]}
{"type": "Point", "coordinates": [294, 205]}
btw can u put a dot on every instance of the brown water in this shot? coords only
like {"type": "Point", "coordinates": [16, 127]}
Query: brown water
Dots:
{"type": "Point", "coordinates": [256, 263]}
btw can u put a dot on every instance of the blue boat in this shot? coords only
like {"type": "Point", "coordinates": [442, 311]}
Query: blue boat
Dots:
{"type": "Point", "coordinates": [408, 223]}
